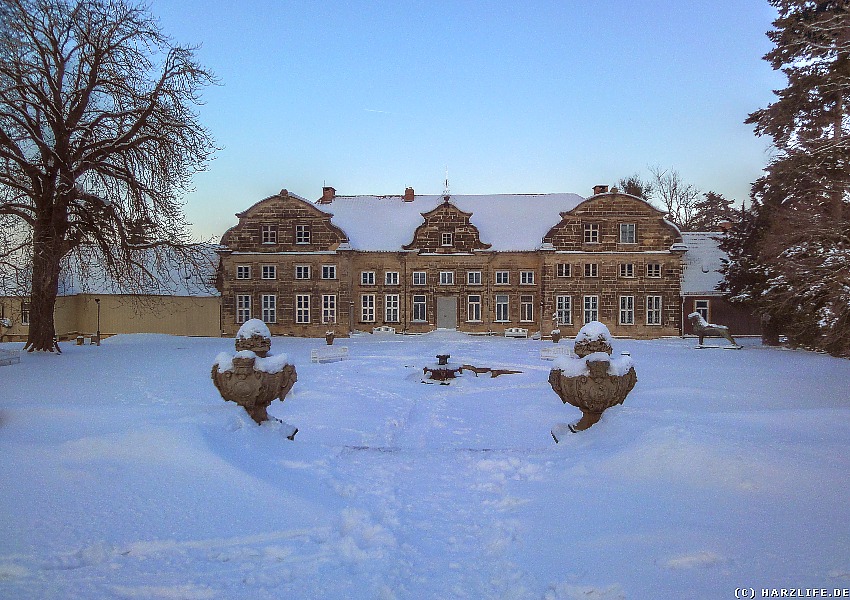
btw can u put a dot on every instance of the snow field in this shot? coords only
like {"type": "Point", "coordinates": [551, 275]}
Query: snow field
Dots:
{"type": "Point", "coordinates": [126, 476]}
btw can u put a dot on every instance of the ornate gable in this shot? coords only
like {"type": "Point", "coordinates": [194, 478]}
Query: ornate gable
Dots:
{"type": "Point", "coordinates": [446, 230]}
{"type": "Point", "coordinates": [613, 222]}
{"type": "Point", "coordinates": [284, 223]}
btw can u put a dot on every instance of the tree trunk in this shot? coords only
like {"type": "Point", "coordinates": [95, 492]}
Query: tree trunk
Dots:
{"type": "Point", "coordinates": [45, 287]}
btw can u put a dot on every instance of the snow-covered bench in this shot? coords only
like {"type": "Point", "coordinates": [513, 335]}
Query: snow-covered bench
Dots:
{"type": "Point", "coordinates": [516, 332]}
{"type": "Point", "coordinates": [9, 357]}
{"type": "Point", "coordinates": [383, 329]}
{"type": "Point", "coordinates": [328, 354]}
{"type": "Point", "coordinates": [551, 352]}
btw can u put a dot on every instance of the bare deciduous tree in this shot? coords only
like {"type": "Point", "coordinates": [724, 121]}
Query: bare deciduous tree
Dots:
{"type": "Point", "coordinates": [99, 139]}
{"type": "Point", "coordinates": [676, 196]}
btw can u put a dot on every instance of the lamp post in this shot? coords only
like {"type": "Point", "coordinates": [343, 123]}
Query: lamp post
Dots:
{"type": "Point", "coordinates": [97, 339]}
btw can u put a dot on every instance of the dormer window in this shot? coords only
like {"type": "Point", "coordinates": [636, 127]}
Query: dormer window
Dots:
{"type": "Point", "coordinates": [268, 234]}
{"type": "Point", "coordinates": [591, 233]}
{"type": "Point", "coordinates": [627, 233]}
{"type": "Point", "coordinates": [302, 234]}
{"type": "Point", "coordinates": [447, 238]}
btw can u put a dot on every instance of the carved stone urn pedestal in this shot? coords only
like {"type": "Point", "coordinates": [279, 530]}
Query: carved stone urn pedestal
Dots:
{"type": "Point", "coordinates": [253, 377]}
{"type": "Point", "coordinates": [591, 381]}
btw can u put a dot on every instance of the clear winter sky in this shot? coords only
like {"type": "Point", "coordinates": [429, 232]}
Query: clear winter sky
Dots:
{"type": "Point", "coordinates": [510, 97]}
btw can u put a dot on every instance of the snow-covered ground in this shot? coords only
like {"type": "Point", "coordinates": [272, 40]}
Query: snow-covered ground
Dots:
{"type": "Point", "coordinates": [124, 475]}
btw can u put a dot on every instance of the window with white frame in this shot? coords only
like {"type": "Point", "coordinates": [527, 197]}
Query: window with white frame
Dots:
{"type": "Point", "coordinates": [702, 306]}
{"type": "Point", "coordinates": [328, 308]}
{"type": "Point", "coordinates": [564, 310]}
{"type": "Point", "coordinates": [391, 278]}
{"type": "Point", "coordinates": [25, 312]}
{"type": "Point", "coordinates": [627, 269]}
{"type": "Point", "coordinates": [328, 271]}
{"type": "Point", "coordinates": [367, 308]}
{"type": "Point", "coordinates": [302, 271]}
{"type": "Point", "coordinates": [628, 233]}
{"type": "Point", "coordinates": [268, 234]}
{"type": "Point", "coordinates": [627, 310]}
{"type": "Point", "coordinates": [526, 277]}
{"type": "Point", "coordinates": [653, 310]}
{"type": "Point", "coordinates": [591, 233]}
{"type": "Point", "coordinates": [591, 269]}
{"type": "Point", "coordinates": [302, 308]}
{"type": "Point", "coordinates": [591, 308]}
{"type": "Point", "coordinates": [269, 271]}
{"type": "Point", "coordinates": [269, 305]}
{"type": "Point", "coordinates": [420, 278]}
{"type": "Point", "coordinates": [420, 314]}
{"type": "Point", "coordinates": [447, 277]}
{"type": "Point", "coordinates": [367, 278]}
{"type": "Point", "coordinates": [502, 312]}
{"type": "Point", "coordinates": [473, 277]}
{"type": "Point", "coordinates": [243, 307]}
{"type": "Point", "coordinates": [653, 270]}
{"type": "Point", "coordinates": [302, 234]}
{"type": "Point", "coordinates": [243, 271]}
{"type": "Point", "coordinates": [564, 270]}
{"type": "Point", "coordinates": [446, 239]}
{"type": "Point", "coordinates": [503, 277]}
{"type": "Point", "coordinates": [526, 308]}
{"type": "Point", "coordinates": [473, 308]}
{"type": "Point", "coordinates": [391, 304]}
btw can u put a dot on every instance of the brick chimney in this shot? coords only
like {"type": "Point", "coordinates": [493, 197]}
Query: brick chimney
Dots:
{"type": "Point", "coordinates": [328, 195]}
{"type": "Point", "coordinates": [600, 189]}
{"type": "Point", "coordinates": [408, 194]}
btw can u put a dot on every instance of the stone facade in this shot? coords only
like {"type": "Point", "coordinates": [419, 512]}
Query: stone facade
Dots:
{"type": "Point", "coordinates": [290, 262]}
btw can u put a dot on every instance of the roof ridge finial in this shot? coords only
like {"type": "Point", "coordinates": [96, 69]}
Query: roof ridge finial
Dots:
{"type": "Point", "coordinates": [446, 192]}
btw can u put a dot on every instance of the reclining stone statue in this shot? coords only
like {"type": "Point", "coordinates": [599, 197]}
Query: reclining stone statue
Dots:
{"type": "Point", "coordinates": [705, 329]}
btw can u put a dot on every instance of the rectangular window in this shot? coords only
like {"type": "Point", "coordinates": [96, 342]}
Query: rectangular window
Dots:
{"type": "Point", "coordinates": [446, 239]}
{"type": "Point", "coordinates": [420, 313]}
{"type": "Point", "coordinates": [627, 233]}
{"type": "Point", "coordinates": [391, 278]}
{"type": "Point", "coordinates": [419, 278]}
{"type": "Point", "coordinates": [328, 308]}
{"type": "Point", "coordinates": [591, 270]}
{"type": "Point", "coordinates": [526, 277]}
{"type": "Point", "coordinates": [591, 233]}
{"type": "Point", "coordinates": [473, 277]}
{"type": "Point", "coordinates": [591, 308]}
{"type": "Point", "coordinates": [701, 306]}
{"type": "Point", "coordinates": [302, 308]}
{"type": "Point", "coordinates": [564, 310]}
{"type": "Point", "coordinates": [269, 272]}
{"type": "Point", "coordinates": [302, 271]}
{"type": "Point", "coordinates": [473, 308]}
{"type": "Point", "coordinates": [367, 308]}
{"type": "Point", "coordinates": [502, 312]}
{"type": "Point", "coordinates": [243, 307]}
{"type": "Point", "coordinates": [328, 271]}
{"type": "Point", "coordinates": [627, 270]}
{"type": "Point", "coordinates": [564, 270]}
{"type": "Point", "coordinates": [653, 270]}
{"type": "Point", "coordinates": [627, 310]}
{"type": "Point", "coordinates": [302, 234]}
{"type": "Point", "coordinates": [243, 271]}
{"type": "Point", "coordinates": [391, 302]}
{"type": "Point", "coordinates": [503, 277]}
{"type": "Point", "coordinates": [25, 313]}
{"type": "Point", "coordinates": [447, 277]}
{"type": "Point", "coordinates": [526, 308]}
{"type": "Point", "coordinates": [268, 234]}
{"type": "Point", "coordinates": [367, 278]}
{"type": "Point", "coordinates": [653, 310]}
{"type": "Point", "coordinates": [269, 303]}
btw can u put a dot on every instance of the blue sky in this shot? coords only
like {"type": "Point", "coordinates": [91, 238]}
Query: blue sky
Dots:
{"type": "Point", "coordinates": [372, 97]}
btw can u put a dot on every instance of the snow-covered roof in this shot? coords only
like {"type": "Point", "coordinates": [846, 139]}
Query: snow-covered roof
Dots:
{"type": "Point", "coordinates": [510, 222]}
{"type": "Point", "coordinates": [701, 263]}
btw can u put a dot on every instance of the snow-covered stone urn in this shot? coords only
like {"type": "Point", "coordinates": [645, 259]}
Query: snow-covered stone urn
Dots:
{"type": "Point", "coordinates": [592, 380]}
{"type": "Point", "coordinates": [253, 377]}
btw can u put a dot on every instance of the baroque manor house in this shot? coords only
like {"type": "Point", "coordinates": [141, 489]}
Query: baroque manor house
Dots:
{"type": "Point", "coordinates": [478, 264]}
